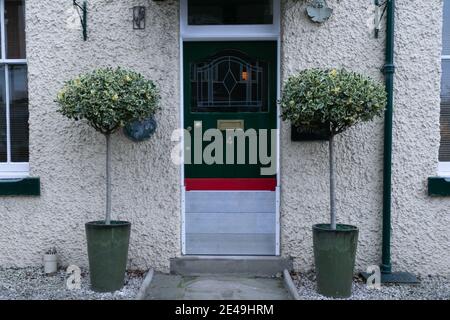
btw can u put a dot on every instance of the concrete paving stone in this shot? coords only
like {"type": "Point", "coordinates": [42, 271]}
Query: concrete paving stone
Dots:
{"type": "Point", "coordinates": [174, 287]}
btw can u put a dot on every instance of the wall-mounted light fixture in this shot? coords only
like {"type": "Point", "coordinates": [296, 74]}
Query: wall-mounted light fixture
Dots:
{"type": "Point", "coordinates": [138, 18]}
{"type": "Point", "coordinates": [379, 14]}
{"type": "Point", "coordinates": [82, 12]}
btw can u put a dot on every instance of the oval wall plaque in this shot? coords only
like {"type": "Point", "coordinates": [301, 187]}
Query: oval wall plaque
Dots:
{"type": "Point", "coordinates": [139, 131]}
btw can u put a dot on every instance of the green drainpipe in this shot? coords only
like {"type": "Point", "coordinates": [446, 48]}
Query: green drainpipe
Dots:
{"type": "Point", "coordinates": [387, 276]}
{"type": "Point", "coordinates": [388, 70]}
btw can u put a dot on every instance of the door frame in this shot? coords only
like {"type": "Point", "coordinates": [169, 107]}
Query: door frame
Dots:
{"type": "Point", "coordinates": [230, 33]}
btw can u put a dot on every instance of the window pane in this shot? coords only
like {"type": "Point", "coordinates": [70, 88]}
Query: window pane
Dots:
{"type": "Point", "coordinates": [214, 12]}
{"type": "Point", "coordinates": [444, 152]}
{"type": "Point", "coordinates": [18, 113]}
{"type": "Point", "coordinates": [3, 150]}
{"type": "Point", "coordinates": [15, 29]}
{"type": "Point", "coordinates": [229, 81]}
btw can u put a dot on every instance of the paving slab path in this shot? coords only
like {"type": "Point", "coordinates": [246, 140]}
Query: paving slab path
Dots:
{"type": "Point", "coordinates": [174, 287]}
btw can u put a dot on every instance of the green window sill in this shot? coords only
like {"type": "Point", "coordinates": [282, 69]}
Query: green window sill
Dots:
{"type": "Point", "coordinates": [439, 187]}
{"type": "Point", "coordinates": [20, 187]}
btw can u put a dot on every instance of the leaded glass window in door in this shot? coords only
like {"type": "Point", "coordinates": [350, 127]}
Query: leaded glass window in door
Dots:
{"type": "Point", "coordinates": [229, 81]}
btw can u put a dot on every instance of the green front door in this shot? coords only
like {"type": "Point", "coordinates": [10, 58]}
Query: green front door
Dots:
{"type": "Point", "coordinates": [230, 87]}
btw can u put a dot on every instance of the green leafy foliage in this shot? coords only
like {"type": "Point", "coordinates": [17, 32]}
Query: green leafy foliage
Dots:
{"type": "Point", "coordinates": [108, 99]}
{"type": "Point", "coordinates": [331, 99]}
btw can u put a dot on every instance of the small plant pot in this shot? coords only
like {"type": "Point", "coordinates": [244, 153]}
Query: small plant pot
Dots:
{"type": "Point", "coordinates": [334, 256]}
{"type": "Point", "coordinates": [108, 254]}
{"type": "Point", "coordinates": [50, 263]}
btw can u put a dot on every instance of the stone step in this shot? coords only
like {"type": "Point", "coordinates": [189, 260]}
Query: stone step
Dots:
{"type": "Point", "coordinates": [211, 265]}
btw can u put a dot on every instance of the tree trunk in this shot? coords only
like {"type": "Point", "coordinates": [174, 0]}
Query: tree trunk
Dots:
{"type": "Point", "coordinates": [108, 179]}
{"type": "Point", "coordinates": [332, 185]}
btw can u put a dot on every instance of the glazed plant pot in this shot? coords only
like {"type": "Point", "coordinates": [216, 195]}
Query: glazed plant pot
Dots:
{"type": "Point", "coordinates": [334, 256]}
{"type": "Point", "coordinates": [50, 263]}
{"type": "Point", "coordinates": [108, 254]}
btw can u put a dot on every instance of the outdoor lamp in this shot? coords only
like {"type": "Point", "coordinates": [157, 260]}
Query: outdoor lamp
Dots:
{"type": "Point", "coordinates": [82, 13]}
{"type": "Point", "coordinates": [138, 18]}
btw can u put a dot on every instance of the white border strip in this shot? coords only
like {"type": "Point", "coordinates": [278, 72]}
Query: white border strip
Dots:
{"type": "Point", "coordinates": [183, 188]}
{"type": "Point", "coordinates": [143, 290]}
{"type": "Point", "coordinates": [290, 286]}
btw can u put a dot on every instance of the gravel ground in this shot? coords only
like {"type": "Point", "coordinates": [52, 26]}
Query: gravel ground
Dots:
{"type": "Point", "coordinates": [430, 288]}
{"type": "Point", "coordinates": [33, 284]}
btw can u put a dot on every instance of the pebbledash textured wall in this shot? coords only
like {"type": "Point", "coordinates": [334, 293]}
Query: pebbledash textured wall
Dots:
{"type": "Point", "coordinates": [421, 240]}
{"type": "Point", "coordinates": [69, 157]}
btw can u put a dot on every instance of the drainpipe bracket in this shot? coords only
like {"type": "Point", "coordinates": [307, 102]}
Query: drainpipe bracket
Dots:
{"type": "Point", "coordinates": [385, 269]}
{"type": "Point", "coordinates": [388, 69]}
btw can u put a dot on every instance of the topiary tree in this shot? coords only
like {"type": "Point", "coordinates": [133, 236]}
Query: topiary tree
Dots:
{"type": "Point", "coordinates": [331, 100]}
{"type": "Point", "coordinates": [108, 99]}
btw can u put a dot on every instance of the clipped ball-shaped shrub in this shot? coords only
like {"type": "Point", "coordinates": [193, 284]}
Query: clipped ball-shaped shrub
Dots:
{"type": "Point", "coordinates": [331, 99]}
{"type": "Point", "coordinates": [108, 99]}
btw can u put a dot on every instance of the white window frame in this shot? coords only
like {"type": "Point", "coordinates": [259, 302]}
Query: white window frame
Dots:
{"type": "Point", "coordinates": [444, 167]}
{"type": "Point", "coordinates": [229, 32]}
{"type": "Point", "coordinates": [9, 169]}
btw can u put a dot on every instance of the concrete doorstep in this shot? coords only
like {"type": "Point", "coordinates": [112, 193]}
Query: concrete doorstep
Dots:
{"type": "Point", "coordinates": [240, 265]}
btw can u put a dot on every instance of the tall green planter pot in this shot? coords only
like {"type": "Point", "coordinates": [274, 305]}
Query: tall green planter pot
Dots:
{"type": "Point", "coordinates": [334, 256]}
{"type": "Point", "coordinates": [108, 254]}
